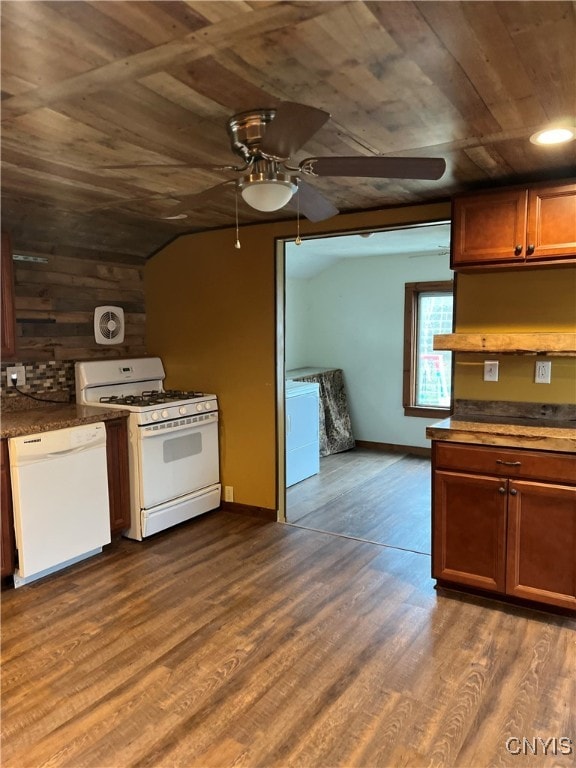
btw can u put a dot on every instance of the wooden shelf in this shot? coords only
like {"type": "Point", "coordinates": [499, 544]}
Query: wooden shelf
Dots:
{"type": "Point", "coordinates": [561, 344]}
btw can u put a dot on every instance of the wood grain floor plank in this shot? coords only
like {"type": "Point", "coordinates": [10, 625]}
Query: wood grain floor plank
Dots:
{"type": "Point", "coordinates": [370, 495]}
{"type": "Point", "coordinates": [339, 474]}
{"type": "Point", "coordinates": [229, 641]}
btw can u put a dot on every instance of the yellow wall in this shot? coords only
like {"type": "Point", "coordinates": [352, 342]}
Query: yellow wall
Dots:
{"type": "Point", "coordinates": [519, 301]}
{"type": "Point", "coordinates": [211, 316]}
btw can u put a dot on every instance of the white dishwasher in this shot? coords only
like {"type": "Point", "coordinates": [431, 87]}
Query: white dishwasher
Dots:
{"type": "Point", "coordinates": [60, 497]}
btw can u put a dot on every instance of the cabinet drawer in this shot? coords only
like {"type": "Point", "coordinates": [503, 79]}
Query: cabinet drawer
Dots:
{"type": "Point", "coordinates": [507, 462]}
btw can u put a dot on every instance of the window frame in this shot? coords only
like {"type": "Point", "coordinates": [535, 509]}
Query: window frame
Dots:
{"type": "Point", "coordinates": [412, 292]}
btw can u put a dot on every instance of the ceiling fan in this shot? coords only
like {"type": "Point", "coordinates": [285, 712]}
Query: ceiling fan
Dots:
{"type": "Point", "coordinates": [266, 139]}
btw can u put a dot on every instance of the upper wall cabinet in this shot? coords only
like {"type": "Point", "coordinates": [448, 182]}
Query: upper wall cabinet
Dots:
{"type": "Point", "coordinates": [8, 329]}
{"type": "Point", "coordinates": [514, 227]}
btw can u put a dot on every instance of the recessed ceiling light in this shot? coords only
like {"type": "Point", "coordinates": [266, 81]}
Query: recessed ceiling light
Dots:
{"type": "Point", "coordinates": [553, 136]}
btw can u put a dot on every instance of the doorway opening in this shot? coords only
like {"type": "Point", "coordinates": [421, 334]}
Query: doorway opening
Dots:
{"type": "Point", "coordinates": [341, 314]}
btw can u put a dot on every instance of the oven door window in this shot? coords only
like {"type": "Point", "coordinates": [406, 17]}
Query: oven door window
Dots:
{"type": "Point", "coordinates": [183, 447]}
{"type": "Point", "coordinates": [173, 464]}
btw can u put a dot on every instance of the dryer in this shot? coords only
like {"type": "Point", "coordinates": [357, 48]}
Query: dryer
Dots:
{"type": "Point", "coordinates": [302, 431]}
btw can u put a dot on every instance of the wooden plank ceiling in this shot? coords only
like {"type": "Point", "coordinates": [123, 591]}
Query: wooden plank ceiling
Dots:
{"type": "Point", "coordinates": [88, 85]}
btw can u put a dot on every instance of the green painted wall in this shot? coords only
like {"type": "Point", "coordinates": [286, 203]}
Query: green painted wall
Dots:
{"type": "Point", "coordinates": [519, 301]}
{"type": "Point", "coordinates": [211, 316]}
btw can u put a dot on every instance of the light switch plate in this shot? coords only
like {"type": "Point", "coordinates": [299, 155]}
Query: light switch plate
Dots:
{"type": "Point", "coordinates": [490, 370]}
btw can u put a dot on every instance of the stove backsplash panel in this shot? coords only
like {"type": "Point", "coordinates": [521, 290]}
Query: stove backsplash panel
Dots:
{"type": "Point", "coordinates": [49, 378]}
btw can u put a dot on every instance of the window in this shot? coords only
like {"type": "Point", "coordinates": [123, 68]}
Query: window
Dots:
{"type": "Point", "coordinates": [427, 387]}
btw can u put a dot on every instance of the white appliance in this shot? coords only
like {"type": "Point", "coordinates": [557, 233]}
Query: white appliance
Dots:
{"type": "Point", "coordinates": [173, 441]}
{"type": "Point", "coordinates": [302, 431]}
{"type": "Point", "coordinates": [60, 497]}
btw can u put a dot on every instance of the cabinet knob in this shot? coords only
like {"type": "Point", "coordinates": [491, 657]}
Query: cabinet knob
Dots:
{"type": "Point", "coordinates": [530, 248]}
{"type": "Point", "coordinates": [518, 250]}
{"type": "Point", "coordinates": [513, 492]}
{"type": "Point", "coordinates": [501, 490]}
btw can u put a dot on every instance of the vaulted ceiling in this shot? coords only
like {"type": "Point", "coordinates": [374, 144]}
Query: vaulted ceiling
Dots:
{"type": "Point", "coordinates": [88, 86]}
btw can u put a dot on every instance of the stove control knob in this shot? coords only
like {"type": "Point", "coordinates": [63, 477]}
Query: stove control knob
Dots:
{"type": "Point", "coordinates": [182, 410]}
{"type": "Point", "coordinates": [155, 416]}
{"type": "Point", "coordinates": [199, 407]}
{"type": "Point", "coordinates": [164, 414]}
{"type": "Point", "coordinates": [207, 406]}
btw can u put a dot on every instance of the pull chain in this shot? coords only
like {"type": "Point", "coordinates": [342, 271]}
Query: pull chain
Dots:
{"type": "Point", "coordinates": [237, 243]}
{"type": "Point", "coordinates": [298, 240]}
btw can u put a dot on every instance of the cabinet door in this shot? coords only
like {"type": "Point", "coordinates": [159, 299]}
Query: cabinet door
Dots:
{"type": "Point", "coordinates": [469, 530]}
{"type": "Point", "coordinates": [8, 544]}
{"type": "Point", "coordinates": [7, 321]}
{"type": "Point", "coordinates": [541, 561]}
{"type": "Point", "coordinates": [118, 477]}
{"type": "Point", "coordinates": [551, 223]}
{"type": "Point", "coordinates": [489, 228]}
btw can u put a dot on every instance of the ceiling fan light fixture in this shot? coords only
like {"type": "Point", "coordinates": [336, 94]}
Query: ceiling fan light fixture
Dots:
{"type": "Point", "coordinates": [267, 194]}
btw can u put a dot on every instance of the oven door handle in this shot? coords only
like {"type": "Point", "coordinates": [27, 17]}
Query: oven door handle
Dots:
{"type": "Point", "coordinates": [188, 423]}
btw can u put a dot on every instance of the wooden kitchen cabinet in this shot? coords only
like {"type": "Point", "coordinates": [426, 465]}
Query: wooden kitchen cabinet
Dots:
{"type": "Point", "coordinates": [7, 320]}
{"type": "Point", "coordinates": [7, 541]}
{"type": "Point", "coordinates": [118, 477]}
{"type": "Point", "coordinates": [516, 227]}
{"type": "Point", "coordinates": [504, 521]}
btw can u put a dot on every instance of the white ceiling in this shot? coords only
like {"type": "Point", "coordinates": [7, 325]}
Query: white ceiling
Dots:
{"type": "Point", "coordinates": [317, 254]}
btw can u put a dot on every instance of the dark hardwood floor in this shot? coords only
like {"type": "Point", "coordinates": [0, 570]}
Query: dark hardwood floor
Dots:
{"type": "Point", "coordinates": [234, 642]}
{"type": "Point", "coordinates": [380, 497]}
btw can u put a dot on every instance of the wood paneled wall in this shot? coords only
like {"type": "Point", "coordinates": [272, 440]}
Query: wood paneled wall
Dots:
{"type": "Point", "coordinates": [55, 301]}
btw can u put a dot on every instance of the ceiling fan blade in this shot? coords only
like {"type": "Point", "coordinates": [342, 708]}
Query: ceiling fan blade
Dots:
{"type": "Point", "coordinates": [377, 167]}
{"type": "Point", "coordinates": [291, 128]}
{"type": "Point", "coordinates": [188, 202]}
{"type": "Point", "coordinates": [312, 203]}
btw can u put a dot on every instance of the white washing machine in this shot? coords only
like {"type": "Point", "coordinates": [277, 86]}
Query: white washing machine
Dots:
{"type": "Point", "coordinates": [302, 431]}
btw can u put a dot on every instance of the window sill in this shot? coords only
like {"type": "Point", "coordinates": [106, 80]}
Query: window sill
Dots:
{"type": "Point", "coordinates": [427, 412]}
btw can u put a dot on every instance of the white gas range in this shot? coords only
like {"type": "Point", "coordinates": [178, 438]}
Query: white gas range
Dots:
{"type": "Point", "coordinates": [173, 440]}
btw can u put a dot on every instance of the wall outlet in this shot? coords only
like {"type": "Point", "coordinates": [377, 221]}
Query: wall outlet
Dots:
{"type": "Point", "coordinates": [543, 372]}
{"type": "Point", "coordinates": [490, 370]}
{"type": "Point", "coordinates": [20, 373]}
{"type": "Point", "coordinates": [228, 493]}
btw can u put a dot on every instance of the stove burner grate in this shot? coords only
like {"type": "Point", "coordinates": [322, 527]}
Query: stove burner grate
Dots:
{"type": "Point", "coordinates": [151, 397]}
{"type": "Point", "coordinates": [170, 394]}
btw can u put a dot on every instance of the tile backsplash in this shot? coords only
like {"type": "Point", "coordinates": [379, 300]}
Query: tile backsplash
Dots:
{"type": "Point", "coordinates": [43, 378]}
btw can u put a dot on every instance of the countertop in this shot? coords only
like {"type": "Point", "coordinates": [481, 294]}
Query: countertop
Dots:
{"type": "Point", "coordinates": [50, 417]}
{"type": "Point", "coordinates": [514, 433]}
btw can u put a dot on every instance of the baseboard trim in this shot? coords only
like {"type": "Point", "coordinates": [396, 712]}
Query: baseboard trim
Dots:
{"type": "Point", "coordinates": [262, 513]}
{"type": "Point", "coordinates": [415, 450]}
